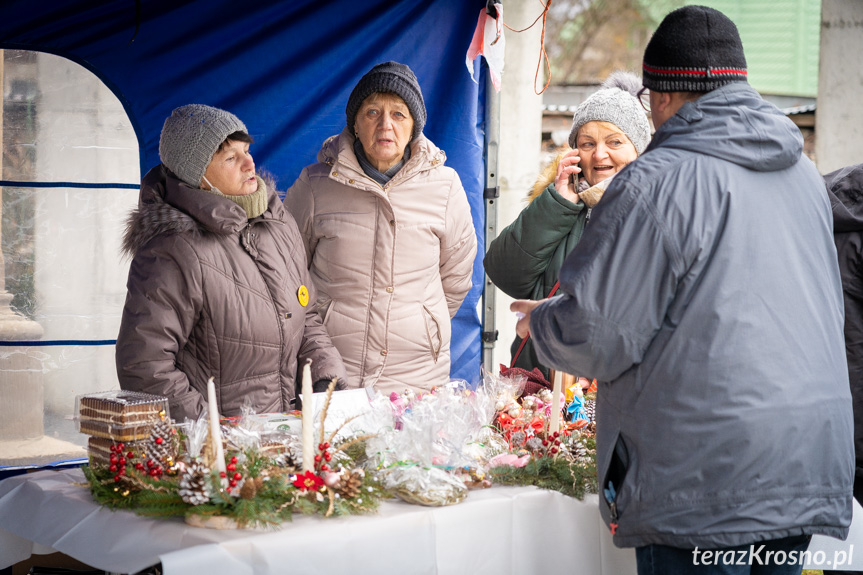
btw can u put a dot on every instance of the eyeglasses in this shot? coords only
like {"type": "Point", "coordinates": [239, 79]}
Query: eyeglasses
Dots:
{"type": "Point", "coordinates": [644, 97]}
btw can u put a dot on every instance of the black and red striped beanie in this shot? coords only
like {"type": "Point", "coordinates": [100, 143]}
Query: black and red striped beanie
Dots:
{"type": "Point", "coordinates": [694, 49]}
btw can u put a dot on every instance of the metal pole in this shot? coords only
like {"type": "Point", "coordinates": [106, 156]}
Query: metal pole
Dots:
{"type": "Point", "coordinates": [491, 194]}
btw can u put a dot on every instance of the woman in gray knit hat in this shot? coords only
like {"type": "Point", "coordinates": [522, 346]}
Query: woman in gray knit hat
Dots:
{"type": "Point", "coordinates": [218, 286]}
{"type": "Point", "coordinates": [389, 237]}
{"type": "Point", "coordinates": [609, 130]}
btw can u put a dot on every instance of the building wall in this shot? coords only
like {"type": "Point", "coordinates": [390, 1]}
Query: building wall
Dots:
{"type": "Point", "coordinates": [839, 119]}
{"type": "Point", "coordinates": [780, 39]}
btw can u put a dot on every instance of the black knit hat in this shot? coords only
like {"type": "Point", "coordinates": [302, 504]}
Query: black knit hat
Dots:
{"type": "Point", "coordinates": [695, 49]}
{"type": "Point", "coordinates": [396, 79]}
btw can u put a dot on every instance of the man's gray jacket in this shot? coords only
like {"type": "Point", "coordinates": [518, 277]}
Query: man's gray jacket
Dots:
{"type": "Point", "coordinates": [706, 293]}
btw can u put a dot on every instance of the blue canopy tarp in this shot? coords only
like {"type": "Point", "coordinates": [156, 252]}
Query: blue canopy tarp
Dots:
{"type": "Point", "coordinates": [286, 69]}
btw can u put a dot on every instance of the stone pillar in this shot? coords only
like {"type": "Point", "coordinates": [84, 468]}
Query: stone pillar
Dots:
{"type": "Point", "coordinates": [520, 138]}
{"type": "Point", "coordinates": [839, 117]}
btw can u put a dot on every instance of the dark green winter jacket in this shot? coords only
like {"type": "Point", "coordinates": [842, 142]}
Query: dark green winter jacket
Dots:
{"type": "Point", "coordinates": [524, 260]}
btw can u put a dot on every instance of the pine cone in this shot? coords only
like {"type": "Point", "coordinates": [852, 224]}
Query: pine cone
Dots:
{"type": "Point", "coordinates": [590, 408]}
{"type": "Point", "coordinates": [193, 484]}
{"type": "Point", "coordinates": [251, 486]}
{"type": "Point", "coordinates": [534, 444]}
{"type": "Point", "coordinates": [350, 484]}
{"type": "Point", "coordinates": [292, 458]}
{"type": "Point", "coordinates": [161, 445]}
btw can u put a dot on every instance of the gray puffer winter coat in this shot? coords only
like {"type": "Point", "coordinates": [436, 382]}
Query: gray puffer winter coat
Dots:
{"type": "Point", "coordinates": [212, 293]}
{"type": "Point", "coordinates": [706, 292]}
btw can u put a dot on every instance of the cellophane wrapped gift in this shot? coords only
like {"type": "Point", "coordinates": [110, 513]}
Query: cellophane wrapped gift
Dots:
{"type": "Point", "coordinates": [427, 442]}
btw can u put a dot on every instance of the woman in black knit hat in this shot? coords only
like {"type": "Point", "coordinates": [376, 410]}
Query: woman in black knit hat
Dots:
{"type": "Point", "coordinates": [389, 237]}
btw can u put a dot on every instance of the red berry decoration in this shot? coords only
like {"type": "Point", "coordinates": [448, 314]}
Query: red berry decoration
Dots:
{"type": "Point", "coordinates": [234, 460]}
{"type": "Point", "coordinates": [326, 445]}
{"type": "Point", "coordinates": [238, 476]}
{"type": "Point", "coordinates": [231, 467]}
{"type": "Point", "coordinates": [328, 455]}
{"type": "Point", "coordinates": [139, 466]}
{"type": "Point", "coordinates": [151, 463]}
{"type": "Point", "coordinates": [117, 479]}
{"type": "Point", "coordinates": [122, 471]}
{"type": "Point", "coordinates": [553, 450]}
{"type": "Point", "coordinates": [130, 455]}
{"type": "Point", "coordinates": [222, 474]}
{"type": "Point", "coordinates": [112, 467]}
{"type": "Point", "coordinates": [121, 446]}
{"type": "Point", "coordinates": [122, 461]}
{"type": "Point", "coordinates": [159, 441]}
{"type": "Point", "coordinates": [317, 458]}
{"type": "Point", "coordinates": [325, 467]}
{"type": "Point", "coordinates": [233, 483]}
{"type": "Point", "coordinates": [113, 448]}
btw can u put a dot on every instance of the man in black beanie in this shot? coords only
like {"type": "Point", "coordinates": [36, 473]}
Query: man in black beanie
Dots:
{"type": "Point", "coordinates": [706, 295]}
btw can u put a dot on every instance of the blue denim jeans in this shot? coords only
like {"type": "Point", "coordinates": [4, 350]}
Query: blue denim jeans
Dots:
{"type": "Point", "coordinates": [774, 557]}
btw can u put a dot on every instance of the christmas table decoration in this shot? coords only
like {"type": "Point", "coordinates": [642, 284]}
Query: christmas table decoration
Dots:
{"type": "Point", "coordinates": [260, 479]}
{"type": "Point", "coordinates": [541, 451]}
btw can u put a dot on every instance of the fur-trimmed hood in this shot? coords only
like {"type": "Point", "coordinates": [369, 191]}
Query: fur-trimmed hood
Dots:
{"type": "Point", "coordinates": [167, 205]}
{"type": "Point", "coordinates": [590, 195]}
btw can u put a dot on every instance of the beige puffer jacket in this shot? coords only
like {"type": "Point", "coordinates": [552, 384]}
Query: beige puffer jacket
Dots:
{"type": "Point", "coordinates": [392, 264]}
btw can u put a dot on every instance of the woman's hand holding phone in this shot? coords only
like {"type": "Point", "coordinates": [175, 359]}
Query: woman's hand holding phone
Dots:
{"type": "Point", "coordinates": [566, 181]}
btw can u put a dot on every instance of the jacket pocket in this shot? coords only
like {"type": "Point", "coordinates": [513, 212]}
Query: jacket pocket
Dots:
{"type": "Point", "coordinates": [435, 338]}
{"type": "Point", "coordinates": [614, 476]}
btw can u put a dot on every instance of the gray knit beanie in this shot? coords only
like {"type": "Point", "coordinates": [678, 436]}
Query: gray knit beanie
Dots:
{"type": "Point", "coordinates": [615, 102]}
{"type": "Point", "coordinates": [191, 136]}
{"type": "Point", "coordinates": [394, 78]}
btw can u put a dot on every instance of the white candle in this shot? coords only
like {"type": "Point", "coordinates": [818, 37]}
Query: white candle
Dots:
{"type": "Point", "coordinates": [554, 425]}
{"type": "Point", "coordinates": [308, 419]}
{"type": "Point", "coordinates": [215, 430]}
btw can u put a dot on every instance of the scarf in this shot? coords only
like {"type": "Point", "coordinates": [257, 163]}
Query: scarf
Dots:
{"type": "Point", "coordinates": [255, 203]}
{"type": "Point", "coordinates": [372, 172]}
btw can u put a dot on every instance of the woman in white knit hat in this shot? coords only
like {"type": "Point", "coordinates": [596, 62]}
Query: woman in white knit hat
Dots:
{"type": "Point", "coordinates": [609, 130]}
{"type": "Point", "coordinates": [219, 286]}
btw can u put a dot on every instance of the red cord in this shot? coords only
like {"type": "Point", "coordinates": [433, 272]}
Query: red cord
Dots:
{"type": "Point", "coordinates": [542, 53]}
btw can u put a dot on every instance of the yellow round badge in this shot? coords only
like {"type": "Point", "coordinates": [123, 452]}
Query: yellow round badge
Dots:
{"type": "Point", "coordinates": [303, 295]}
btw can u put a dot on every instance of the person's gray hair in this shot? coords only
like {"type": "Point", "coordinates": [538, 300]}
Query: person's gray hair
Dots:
{"type": "Point", "coordinates": [615, 102]}
{"type": "Point", "coordinates": [191, 136]}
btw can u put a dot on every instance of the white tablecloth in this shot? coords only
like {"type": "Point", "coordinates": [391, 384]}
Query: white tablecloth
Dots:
{"type": "Point", "coordinates": [501, 530]}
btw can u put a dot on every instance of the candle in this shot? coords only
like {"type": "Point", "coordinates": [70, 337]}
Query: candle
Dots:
{"type": "Point", "coordinates": [555, 402]}
{"type": "Point", "coordinates": [215, 431]}
{"type": "Point", "coordinates": [308, 419]}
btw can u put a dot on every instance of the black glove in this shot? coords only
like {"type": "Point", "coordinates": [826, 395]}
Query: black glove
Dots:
{"type": "Point", "coordinates": [323, 384]}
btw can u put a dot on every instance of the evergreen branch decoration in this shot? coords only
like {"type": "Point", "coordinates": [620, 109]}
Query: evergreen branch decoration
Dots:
{"type": "Point", "coordinates": [572, 479]}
